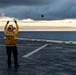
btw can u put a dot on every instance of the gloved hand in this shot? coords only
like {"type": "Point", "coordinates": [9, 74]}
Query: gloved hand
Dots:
{"type": "Point", "coordinates": [15, 21]}
{"type": "Point", "coordinates": [7, 22]}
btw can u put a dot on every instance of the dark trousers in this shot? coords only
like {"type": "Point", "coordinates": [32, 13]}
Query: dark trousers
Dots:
{"type": "Point", "coordinates": [9, 50]}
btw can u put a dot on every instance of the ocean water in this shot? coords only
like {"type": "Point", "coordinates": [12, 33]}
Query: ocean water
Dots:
{"type": "Point", "coordinates": [54, 35]}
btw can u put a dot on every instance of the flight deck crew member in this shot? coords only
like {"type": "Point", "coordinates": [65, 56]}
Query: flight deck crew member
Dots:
{"type": "Point", "coordinates": [10, 34]}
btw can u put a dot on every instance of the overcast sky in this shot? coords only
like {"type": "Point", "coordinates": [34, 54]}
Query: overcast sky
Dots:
{"type": "Point", "coordinates": [51, 9]}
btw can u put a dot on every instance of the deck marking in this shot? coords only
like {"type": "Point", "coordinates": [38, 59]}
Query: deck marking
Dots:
{"type": "Point", "coordinates": [2, 45]}
{"type": "Point", "coordinates": [34, 51]}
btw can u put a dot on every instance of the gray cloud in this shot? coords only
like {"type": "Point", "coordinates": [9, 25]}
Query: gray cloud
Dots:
{"type": "Point", "coordinates": [51, 9]}
{"type": "Point", "coordinates": [25, 2]}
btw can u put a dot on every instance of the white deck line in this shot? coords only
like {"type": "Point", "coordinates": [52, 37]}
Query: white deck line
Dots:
{"type": "Point", "coordinates": [2, 45]}
{"type": "Point", "coordinates": [34, 51]}
{"type": "Point", "coordinates": [46, 40]}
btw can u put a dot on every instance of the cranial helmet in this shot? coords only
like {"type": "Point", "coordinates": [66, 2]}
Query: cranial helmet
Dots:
{"type": "Point", "coordinates": [11, 27]}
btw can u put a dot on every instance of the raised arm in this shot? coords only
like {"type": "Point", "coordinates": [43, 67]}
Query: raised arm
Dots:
{"type": "Point", "coordinates": [5, 28]}
{"type": "Point", "coordinates": [17, 27]}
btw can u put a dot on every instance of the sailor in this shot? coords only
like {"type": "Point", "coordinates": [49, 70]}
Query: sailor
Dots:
{"type": "Point", "coordinates": [10, 34]}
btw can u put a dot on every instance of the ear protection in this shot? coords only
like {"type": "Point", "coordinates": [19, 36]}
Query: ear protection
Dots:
{"type": "Point", "coordinates": [10, 27]}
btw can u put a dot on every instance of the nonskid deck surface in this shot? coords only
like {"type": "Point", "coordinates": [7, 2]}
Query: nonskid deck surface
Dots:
{"type": "Point", "coordinates": [40, 58]}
